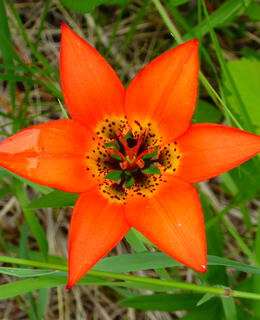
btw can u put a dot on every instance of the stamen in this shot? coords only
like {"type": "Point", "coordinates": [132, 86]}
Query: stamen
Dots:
{"type": "Point", "coordinates": [140, 163]}
{"type": "Point", "coordinates": [124, 165]}
{"type": "Point", "coordinates": [112, 151]}
{"type": "Point", "coordinates": [150, 150]}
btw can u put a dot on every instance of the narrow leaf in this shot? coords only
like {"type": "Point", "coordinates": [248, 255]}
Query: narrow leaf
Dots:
{"type": "Point", "coordinates": [114, 175]}
{"type": "Point", "coordinates": [152, 170]}
{"type": "Point", "coordinates": [54, 199]}
{"type": "Point", "coordinates": [162, 302]}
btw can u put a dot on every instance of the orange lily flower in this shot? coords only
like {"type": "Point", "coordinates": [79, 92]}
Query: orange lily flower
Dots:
{"type": "Point", "coordinates": [131, 153]}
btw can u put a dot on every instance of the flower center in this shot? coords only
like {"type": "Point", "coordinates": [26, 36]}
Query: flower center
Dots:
{"type": "Point", "coordinates": [134, 158]}
{"type": "Point", "coordinates": [128, 160]}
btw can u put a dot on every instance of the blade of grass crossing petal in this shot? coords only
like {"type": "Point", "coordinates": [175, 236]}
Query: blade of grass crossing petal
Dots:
{"type": "Point", "coordinates": [24, 286]}
{"type": "Point", "coordinates": [124, 263]}
{"type": "Point", "coordinates": [256, 280]}
{"type": "Point", "coordinates": [31, 218]}
{"type": "Point", "coordinates": [123, 277]}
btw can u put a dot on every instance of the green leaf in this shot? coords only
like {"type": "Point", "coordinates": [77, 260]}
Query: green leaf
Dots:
{"type": "Point", "coordinates": [135, 262]}
{"type": "Point", "coordinates": [214, 260]}
{"type": "Point", "coordinates": [162, 302]}
{"type": "Point", "coordinates": [89, 5]}
{"type": "Point", "coordinates": [176, 3]}
{"type": "Point", "coordinates": [111, 144]}
{"type": "Point", "coordinates": [206, 297]}
{"type": "Point", "coordinates": [246, 76]}
{"type": "Point", "coordinates": [227, 12]}
{"type": "Point", "coordinates": [54, 199]}
{"type": "Point", "coordinates": [16, 288]}
{"type": "Point", "coordinates": [206, 112]}
{"type": "Point", "coordinates": [130, 182]}
{"type": "Point", "coordinates": [151, 170]}
{"type": "Point", "coordinates": [134, 241]}
{"type": "Point", "coordinates": [229, 308]}
{"type": "Point", "coordinates": [14, 77]}
{"type": "Point", "coordinates": [26, 273]}
{"type": "Point", "coordinates": [116, 156]}
{"type": "Point", "coordinates": [129, 135]}
{"type": "Point", "coordinates": [156, 260]}
{"type": "Point", "coordinates": [253, 11]}
{"type": "Point", "coordinates": [35, 186]}
{"type": "Point", "coordinates": [114, 175]}
{"type": "Point", "coordinates": [7, 49]}
{"type": "Point", "coordinates": [31, 218]}
{"type": "Point", "coordinates": [212, 309]}
{"type": "Point", "coordinates": [245, 175]}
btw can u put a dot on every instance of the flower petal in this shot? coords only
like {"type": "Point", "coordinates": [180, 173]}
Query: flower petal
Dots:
{"type": "Point", "coordinates": [172, 219]}
{"type": "Point", "coordinates": [51, 154]}
{"type": "Point", "coordinates": [90, 86]}
{"type": "Point", "coordinates": [97, 225]}
{"type": "Point", "coordinates": [165, 91]}
{"type": "Point", "coordinates": [207, 150]}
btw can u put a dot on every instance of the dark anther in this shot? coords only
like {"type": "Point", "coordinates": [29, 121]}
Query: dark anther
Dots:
{"type": "Point", "coordinates": [131, 142]}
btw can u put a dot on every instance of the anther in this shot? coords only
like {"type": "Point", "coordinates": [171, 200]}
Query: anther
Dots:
{"type": "Point", "coordinates": [123, 165]}
{"type": "Point", "coordinates": [140, 163]}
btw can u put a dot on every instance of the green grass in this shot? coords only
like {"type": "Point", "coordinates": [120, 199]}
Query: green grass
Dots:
{"type": "Point", "coordinates": [35, 219]}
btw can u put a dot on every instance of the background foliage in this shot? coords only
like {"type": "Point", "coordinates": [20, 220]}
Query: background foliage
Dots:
{"type": "Point", "coordinates": [135, 282]}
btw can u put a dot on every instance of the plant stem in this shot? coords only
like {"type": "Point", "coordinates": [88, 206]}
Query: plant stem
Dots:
{"type": "Point", "coordinates": [151, 281]}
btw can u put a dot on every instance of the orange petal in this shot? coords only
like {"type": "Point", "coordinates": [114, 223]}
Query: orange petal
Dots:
{"type": "Point", "coordinates": [97, 225]}
{"type": "Point", "coordinates": [51, 154]}
{"type": "Point", "coordinates": [208, 150]}
{"type": "Point", "coordinates": [90, 86]}
{"type": "Point", "coordinates": [165, 91]}
{"type": "Point", "coordinates": [172, 219]}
